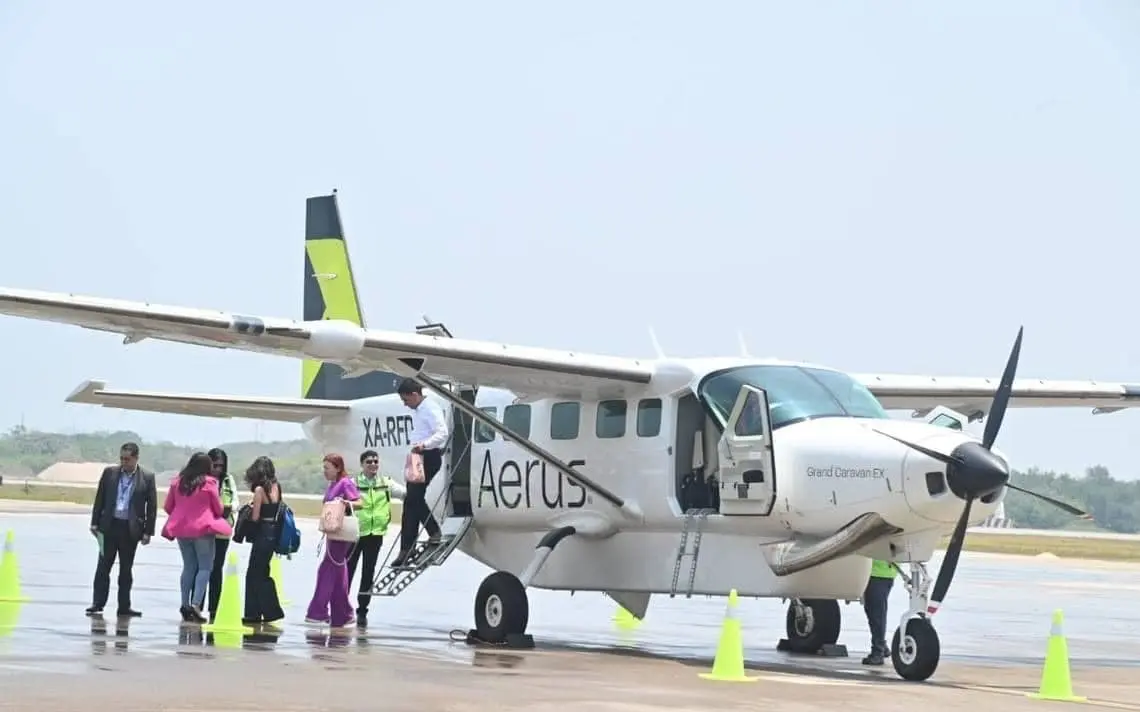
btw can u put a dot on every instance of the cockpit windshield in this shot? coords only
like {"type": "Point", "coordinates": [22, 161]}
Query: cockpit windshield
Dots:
{"type": "Point", "coordinates": [794, 393]}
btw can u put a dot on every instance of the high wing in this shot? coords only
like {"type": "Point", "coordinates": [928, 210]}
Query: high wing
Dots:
{"type": "Point", "coordinates": [524, 370]}
{"type": "Point", "coordinates": [972, 396]}
{"type": "Point", "coordinates": [287, 410]}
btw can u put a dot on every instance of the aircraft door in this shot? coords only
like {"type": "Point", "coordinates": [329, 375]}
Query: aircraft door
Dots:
{"type": "Point", "coordinates": [747, 466]}
{"type": "Point", "coordinates": [459, 456]}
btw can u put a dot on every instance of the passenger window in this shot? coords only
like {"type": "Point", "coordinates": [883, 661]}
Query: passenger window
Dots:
{"type": "Point", "coordinates": [611, 419]}
{"type": "Point", "coordinates": [648, 417]}
{"type": "Point", "coordinates": [517, 419]}
{"type": "Point", "coordinates": [564, 419]}
{"type": "Point", "coordinates": [483, 432]}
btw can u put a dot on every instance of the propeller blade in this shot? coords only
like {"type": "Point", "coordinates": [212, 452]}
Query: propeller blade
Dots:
{"type": "Point", "coordinates": [950, 563]}
{"type": "Point", "coordinates": [933, 454]}
{"type": "Point", "coordinates": [1001, 396]}
{"type": "Point", "coordinates": [1055, 502]}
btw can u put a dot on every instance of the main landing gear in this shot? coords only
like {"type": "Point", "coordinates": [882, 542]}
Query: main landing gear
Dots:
{"type": "Point", "coordinates": [502, 610]}
{"type": "Point", "coordinates": [915, 649]}
{"type": "Point", "coordinates": [812, 627]}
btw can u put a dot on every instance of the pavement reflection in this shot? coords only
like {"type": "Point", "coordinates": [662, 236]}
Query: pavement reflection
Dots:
{"type": "Point", "coordinates": [997, 613]}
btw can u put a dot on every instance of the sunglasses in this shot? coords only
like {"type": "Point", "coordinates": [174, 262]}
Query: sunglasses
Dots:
{"type": "Point", "coordinates": [371, 461]}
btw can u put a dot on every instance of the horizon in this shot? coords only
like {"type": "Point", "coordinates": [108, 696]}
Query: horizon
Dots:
{"type": "Point", "coordinates": [846, 186]}
{"type": "Point", "coordinates": [143, 441]}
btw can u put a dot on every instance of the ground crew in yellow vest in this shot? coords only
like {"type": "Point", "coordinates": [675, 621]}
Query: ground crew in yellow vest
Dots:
{"type": "Point", "coordinates": [374, 512]}
{"type": "Point", "coordinates": [227, 488]}
{"type": "Point", "coordinates": [875, 598]}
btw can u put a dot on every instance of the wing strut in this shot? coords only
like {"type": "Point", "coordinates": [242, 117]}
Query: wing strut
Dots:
{"type": "Point", "coordinates": [628, 509]}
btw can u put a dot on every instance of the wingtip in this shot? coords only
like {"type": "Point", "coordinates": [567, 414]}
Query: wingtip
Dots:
{"type": "Point", "coordinates": [84, 392]}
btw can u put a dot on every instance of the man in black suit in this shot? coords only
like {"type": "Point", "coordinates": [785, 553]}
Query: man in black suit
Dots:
{"type": "Point", "coordinates": [123, 515]}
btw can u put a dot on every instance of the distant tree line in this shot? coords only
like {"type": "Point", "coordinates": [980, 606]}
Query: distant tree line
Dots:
{"type": "Point", "coordinates": [1114, 504]}
{"type": "Point", "coordinates": [25, 453]}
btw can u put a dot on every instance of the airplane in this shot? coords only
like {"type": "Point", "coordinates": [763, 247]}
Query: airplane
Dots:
{"type": "Point", "coordinates": [574, 471]}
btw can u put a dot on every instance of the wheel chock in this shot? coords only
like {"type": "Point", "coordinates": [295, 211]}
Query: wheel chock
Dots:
{"type": "Point", "coordinates": [514, 641]}
{"type": "Point", "coordinates": [829, 650]}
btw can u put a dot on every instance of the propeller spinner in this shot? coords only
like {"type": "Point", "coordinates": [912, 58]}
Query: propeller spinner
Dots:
{"type": "Point", "coordinates": [974, 471]}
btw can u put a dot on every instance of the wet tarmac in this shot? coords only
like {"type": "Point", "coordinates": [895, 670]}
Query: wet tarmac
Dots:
{"type": "Point", "coordinates": [996, 616]}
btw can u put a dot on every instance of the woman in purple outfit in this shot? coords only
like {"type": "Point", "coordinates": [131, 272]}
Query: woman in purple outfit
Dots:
{"type": "Point", "coordinates": [330, 602]}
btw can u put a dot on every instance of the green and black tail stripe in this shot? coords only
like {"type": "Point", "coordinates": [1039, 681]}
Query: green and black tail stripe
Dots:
{"type": "Point", "coordinates": [330, 293]}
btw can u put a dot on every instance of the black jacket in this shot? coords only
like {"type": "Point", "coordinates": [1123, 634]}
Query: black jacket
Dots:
{"type": "Point", "coordinates": [143, 511]}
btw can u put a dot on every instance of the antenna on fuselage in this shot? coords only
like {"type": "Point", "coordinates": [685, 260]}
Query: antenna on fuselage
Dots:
{"type": "Point", "coordinates": [656, 344]}
{"type": "Point", "coordinates": [743, 346]}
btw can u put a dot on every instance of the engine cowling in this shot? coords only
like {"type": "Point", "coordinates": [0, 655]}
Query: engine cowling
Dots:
{"type": "Point", "coordinates": [333, 340]}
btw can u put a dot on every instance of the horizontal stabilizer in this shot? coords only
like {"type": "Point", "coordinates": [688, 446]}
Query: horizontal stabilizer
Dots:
{"type": "Point", "coordinates": [287, 410]}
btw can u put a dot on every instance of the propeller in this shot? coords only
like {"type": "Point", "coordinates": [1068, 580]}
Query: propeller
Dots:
{"type": "Point", "coordinates": [974, 471]}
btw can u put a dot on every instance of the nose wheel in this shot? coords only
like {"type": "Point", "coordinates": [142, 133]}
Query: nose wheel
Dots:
{"type": "Point", "coordinates": [915, 649]}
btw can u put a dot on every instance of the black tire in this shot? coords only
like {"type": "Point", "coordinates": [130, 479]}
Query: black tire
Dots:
{"type": "Point", "coordinates": [820, 628]}
{"type": "Point", "coordinates": [915, 654]}
{"type": "Point", "coordinates": [501, 608]}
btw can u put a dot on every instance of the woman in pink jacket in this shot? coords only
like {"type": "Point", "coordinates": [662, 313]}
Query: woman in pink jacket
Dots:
{"type": "Point", "coordinates": [194, 518]}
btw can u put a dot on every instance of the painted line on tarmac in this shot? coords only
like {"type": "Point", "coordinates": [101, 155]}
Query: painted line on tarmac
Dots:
{"type": "Point", "coordinates": [1112, 704]}
{"type": "Point", "coordinates": [808, 679]}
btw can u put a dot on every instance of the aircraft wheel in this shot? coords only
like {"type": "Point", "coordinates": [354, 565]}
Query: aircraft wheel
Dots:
{"type": "Point", "coordinates": [501, 607]}
{"type": "Point", "coordinates": [915, 653]}
{"type": "Point", "coordinates": [815, 626]}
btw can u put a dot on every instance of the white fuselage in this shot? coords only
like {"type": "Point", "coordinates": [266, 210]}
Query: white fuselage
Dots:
{"type": "Point", "coordinates": [828, 472]}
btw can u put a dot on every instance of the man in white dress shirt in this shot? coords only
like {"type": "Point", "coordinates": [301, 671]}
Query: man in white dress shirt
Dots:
{"type": "Point", "coordinates": [429, 436]}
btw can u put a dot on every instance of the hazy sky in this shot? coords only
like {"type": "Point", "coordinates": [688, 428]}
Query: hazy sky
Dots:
{"type": "Point", "coordinates": [885, 186]}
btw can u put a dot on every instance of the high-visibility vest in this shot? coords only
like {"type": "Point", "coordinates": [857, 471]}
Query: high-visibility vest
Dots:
{"type": "Point", "coordinates": [883, 569]}
{"type": "Point", "coordinates": [375, 507]}
{"type": "Point", "coordinates": [226, 491]}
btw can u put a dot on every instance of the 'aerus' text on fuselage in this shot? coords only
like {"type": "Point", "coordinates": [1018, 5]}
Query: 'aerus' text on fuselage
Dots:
{"type": "Point", "coordinates": [530, 484]}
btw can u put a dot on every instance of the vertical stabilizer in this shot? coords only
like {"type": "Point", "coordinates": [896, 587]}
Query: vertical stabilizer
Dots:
{"type": "Point", "coordinates": [330, 293]}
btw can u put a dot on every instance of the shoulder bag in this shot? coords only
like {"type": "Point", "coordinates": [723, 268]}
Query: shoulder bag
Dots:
{"type": "Point", "coordinates": [336, 525]}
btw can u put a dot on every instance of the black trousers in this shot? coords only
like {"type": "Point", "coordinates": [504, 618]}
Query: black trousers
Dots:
{"type": "Point", "coordinates": [117, 543]}
{"type": "Point", "coordinates": [367, 547]}
{"type": "Point", "coordinates": [261, 603]}
{"type": "Point", "coordinates": [221, 546]}
{"type": "Point", "coordinates": [416, 510]}
{"type": "Point", "coordinates": [875, 598]}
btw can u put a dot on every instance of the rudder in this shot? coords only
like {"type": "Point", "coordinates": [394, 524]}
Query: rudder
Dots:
{"type": "Point", "coordinates": [330, 293]}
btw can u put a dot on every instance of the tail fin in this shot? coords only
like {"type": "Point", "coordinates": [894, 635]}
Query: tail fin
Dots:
{"type": "Point", "coordinates": [330, 293]}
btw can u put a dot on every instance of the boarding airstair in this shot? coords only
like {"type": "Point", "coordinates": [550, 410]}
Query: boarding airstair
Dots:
{"type": "Point", "coordinates": [390, 581]}
{"type": "Point", "coordinates": [696, 517]}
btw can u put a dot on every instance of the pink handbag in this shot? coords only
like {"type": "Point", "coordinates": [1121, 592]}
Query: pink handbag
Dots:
{"type": "Point", "coordinates": [414, 468]}
{"type": "Point", "coordinates": [332, 517]}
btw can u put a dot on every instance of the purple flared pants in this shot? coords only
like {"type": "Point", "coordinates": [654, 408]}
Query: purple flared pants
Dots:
{"type": "Point", "coordinates": [330, 599]}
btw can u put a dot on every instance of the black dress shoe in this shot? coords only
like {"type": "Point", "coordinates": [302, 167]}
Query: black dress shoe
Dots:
{"type": "Point", "coordinates": [129, 613]}
{"type": "Point", "coordinates": [401, 559]}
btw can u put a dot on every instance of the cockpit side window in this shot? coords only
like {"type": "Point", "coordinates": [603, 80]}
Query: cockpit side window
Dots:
{"type": "Point", "coordinates": [751, 421]}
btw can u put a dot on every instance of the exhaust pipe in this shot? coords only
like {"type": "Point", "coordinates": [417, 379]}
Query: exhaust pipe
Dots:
{"type": "Point", "coordinates": [789, 557]}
